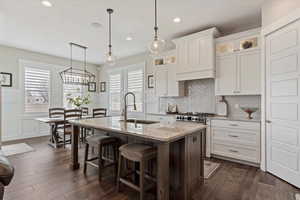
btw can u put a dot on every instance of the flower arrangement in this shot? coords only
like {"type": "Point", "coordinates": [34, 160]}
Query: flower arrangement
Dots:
{"type": "Point", "coordinates": [79, 100]}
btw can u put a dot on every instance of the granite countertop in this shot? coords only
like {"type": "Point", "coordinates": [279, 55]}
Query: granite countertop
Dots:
{"type": "Point", "coordinates": [234, 119]}
{"type": "Point", "coordinates": [166, 131]}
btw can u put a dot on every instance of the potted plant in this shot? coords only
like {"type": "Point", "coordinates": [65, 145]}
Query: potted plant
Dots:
{"type": "Point", "coordinates": [79, 101]}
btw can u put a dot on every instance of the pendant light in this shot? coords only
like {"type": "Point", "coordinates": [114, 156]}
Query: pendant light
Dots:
{"type": "Point", "coordinates": [77, 76]}
{"type": "Point", "coordinates": [110, 58]}
{"type": "Point", "coordinates": [158, 45]}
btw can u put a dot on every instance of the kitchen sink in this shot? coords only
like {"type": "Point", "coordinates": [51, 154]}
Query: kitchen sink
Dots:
{"type": "Point", "coordinates": [138, 121]}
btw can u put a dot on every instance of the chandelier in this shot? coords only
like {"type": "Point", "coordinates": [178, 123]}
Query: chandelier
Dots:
{"type": "Point", "coordinates": [77, 76]}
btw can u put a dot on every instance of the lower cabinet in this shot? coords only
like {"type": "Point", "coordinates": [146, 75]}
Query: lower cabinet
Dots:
{"type": "Point", "coordinates": [236, 140]}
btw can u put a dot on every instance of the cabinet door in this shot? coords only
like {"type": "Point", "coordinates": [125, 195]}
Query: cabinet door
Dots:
{"type": "Point", "coordinates": [161, 81]}
{"type": "Point", "coordinates": [226, 75]}
{"type": "Point", "coordinates": [249, 73]}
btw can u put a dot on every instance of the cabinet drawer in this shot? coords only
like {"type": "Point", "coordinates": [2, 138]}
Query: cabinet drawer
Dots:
{"type": "Point", "coordinates": [236, 152]}
{"type": "Point", "coordinates": [236, 124]}
{"type": "Point", "coordinates": [236, 136]}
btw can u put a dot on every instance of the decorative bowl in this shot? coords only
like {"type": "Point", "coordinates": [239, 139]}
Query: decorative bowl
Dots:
{"type": "Point", "coordinates": [249, 111]}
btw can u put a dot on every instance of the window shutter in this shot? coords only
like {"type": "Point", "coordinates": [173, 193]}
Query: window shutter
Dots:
{"type": "Point", "coordinates": [37, 88]}
{"type": "Point", "coordinates": [115, 92]}
{"type": "Point", "coordinates": [135, 84]}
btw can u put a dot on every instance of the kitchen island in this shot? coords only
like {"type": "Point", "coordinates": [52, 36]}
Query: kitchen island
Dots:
{"type": "Point", "coordinates": [180, 147]}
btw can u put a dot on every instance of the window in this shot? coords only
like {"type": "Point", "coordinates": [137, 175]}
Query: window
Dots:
{"type": "Point", "coordinates": [129, 79]}
{"type": "Point", "coordinates": [135, 84]}
{"type": "Point", "coordinates": [37, 87]}
{"type": "Point", "coordinates": [115, 92]}
{"type": "Point", "coordinates": [70, 91]}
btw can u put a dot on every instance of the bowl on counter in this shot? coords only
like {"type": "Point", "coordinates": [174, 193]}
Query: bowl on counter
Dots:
{"type": "Point", "coordinates": [249, 111]}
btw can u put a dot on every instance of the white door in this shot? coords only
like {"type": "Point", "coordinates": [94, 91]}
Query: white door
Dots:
{"type": "Point", "coordinates": [283, 103]}
{"type": "Point", "coordinates": [226, 80]}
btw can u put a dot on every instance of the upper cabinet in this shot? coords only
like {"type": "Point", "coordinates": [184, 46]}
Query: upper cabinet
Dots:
{"type": "Point", "coordinates": [238, 61]}
{"type": "Point", "coordinates": [166, 84]}
{"type": "Point", "coordinates": [196, 55]}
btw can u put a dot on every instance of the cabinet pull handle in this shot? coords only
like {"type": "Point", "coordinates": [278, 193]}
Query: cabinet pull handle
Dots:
{"type": "Point", "coordinates": [268, 121]}
{"type": "Point", "coordinates": [233, 151]}
{"type": "Point", "coordinates": [234, 136]}
{"type": "Point", "coordinates": [234, 125]}
{"type": "Point", "coordinates": [235, 50]}
{"type": "Point", "coordinates": [236, 92]}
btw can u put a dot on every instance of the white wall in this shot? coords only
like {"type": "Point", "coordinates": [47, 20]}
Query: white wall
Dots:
{"type": "Point", "coordinates": [15, 125]}
{"type": "Point", "coordinates": [272, 10]}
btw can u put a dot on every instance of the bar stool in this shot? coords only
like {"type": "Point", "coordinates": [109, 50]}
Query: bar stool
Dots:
{"type": "Point", "coordinates": [138, 153]}
{"type": "Point", "coordinates": [101, 141]}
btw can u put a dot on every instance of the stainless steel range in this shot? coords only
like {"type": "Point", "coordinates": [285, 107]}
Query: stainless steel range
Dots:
{"type": "Point", "coordinates": [194, 117]}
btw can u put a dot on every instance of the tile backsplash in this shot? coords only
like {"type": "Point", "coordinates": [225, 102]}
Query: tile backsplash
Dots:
{"type": "Point", "coordinates": [201, 98]}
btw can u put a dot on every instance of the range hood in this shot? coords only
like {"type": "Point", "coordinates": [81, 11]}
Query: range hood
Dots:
{"type": "Point", "coordinates": [196, 55]}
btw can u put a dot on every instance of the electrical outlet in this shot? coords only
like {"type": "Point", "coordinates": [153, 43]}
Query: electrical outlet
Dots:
{"type": "Point", "coordinates": [237, 106]}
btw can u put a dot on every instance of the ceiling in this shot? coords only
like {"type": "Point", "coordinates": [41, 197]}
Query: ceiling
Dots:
{"type": "Point", "coordinates": [29, 25]}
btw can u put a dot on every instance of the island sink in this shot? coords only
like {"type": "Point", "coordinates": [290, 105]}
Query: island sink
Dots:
{"type": "Point", "coordinates": [138, 121]}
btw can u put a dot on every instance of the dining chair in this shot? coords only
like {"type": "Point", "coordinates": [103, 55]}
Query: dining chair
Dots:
{"type": "Point", "coordinates": [56, 113]}
{"type": "Point", "coordinates": [67, 128]}
{"type": "Point", "coordinates": [85, 110]}
{"type": "Point", "coordinates": [99, 112]}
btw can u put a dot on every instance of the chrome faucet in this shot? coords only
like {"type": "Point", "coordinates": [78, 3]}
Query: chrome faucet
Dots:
{"type": "Point", "coordinates": [125, 104]}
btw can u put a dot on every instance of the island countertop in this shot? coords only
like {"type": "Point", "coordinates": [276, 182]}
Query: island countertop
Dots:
{"type": "Point", "coordinates": [166, 131]}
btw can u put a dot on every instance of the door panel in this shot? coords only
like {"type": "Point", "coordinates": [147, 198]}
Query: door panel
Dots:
{"type": "Point", "coordinates": [249, 73]}
{"type": "Point", "coordinates": [282, 103]}
{"type": "Point", "coordinates": [226, 75]}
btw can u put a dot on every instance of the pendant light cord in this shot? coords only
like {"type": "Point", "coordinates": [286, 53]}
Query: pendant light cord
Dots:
{"type": "Point", "coordinates": [155, 26]}
{"type": "Point", "coordinates": [109, 46]}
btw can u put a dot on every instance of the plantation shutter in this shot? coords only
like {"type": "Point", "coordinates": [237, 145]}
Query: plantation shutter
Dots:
{"type": "Point", "coordinates": [115, 92]}
{"type": "Point", "coordinates": [37, 89]}
{"type": "Point", "coordinates": [135, 84]}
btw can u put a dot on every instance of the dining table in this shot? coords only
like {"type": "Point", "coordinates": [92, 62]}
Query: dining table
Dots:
{"type": "Point", "coordinates": [54, 123]}
{"type": "Point", "coordinates": [180, 150]}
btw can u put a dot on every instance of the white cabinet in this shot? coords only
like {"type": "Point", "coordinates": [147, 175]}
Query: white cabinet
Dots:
{"type": "Point", "coordinates": [166, 84]}
{"type": "Point", "coordinates": [196, 55]}
{"type": "Point", "coordinates": [236, 140]}
{"type": "Point", "coordinates": [161, 81]}
{"type": "Point", "coordinates": [238, 64]}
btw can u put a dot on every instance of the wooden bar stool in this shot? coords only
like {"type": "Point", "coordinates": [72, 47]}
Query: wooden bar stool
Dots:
{"type": "Point", "coordinates": [102, 141]}
{"type": "Point", "coordinates": [138, 153]}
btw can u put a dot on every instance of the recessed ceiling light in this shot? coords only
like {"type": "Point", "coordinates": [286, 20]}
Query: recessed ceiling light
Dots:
{"type": "Point", "coordinates": [129, 38]}
{"type": "Point", "coordinates": [46, 3]}
{"type": "Point", "coordinates": [176, 20]}
{"type": "Point", "coordinates": [96, 25]}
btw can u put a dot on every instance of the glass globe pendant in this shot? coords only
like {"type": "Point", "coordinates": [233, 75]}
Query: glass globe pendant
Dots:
{"type": "Point", "coordinates": [110, 58]}
{"type": "Point", "coordinates": [157, 46]}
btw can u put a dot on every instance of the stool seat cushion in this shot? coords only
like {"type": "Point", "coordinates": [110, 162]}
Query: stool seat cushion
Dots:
{"type": "Point", "coordinates": [136, 150]}
{"type": "Point", "coordinates": [101, 139]}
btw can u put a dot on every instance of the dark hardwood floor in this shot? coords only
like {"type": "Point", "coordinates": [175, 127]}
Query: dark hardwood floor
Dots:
{"type": "Point", "coordinates": [45, 175]}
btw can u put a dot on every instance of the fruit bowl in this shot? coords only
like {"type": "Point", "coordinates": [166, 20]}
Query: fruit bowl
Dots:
{"type": "Point", "coordinates": [249, 111]}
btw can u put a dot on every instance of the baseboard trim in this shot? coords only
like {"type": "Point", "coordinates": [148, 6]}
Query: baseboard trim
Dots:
{"type": "Point", "coordinates": [236, 160]}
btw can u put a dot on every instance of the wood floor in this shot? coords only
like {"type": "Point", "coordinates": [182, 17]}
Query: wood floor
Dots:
{"type": "Point", "coordinates": [45, 175]}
